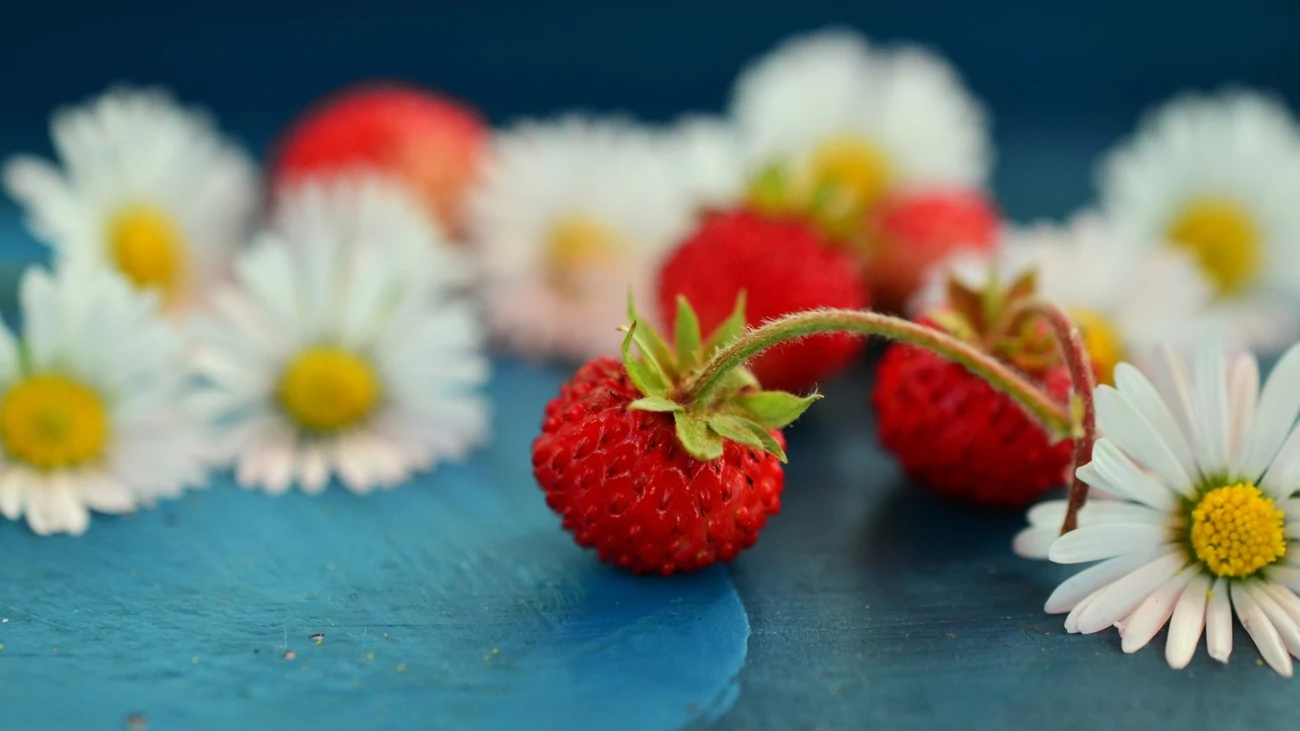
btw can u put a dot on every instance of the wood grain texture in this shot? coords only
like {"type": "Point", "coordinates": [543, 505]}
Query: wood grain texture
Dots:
{"type": "Point", "coordinates": [453, 602]}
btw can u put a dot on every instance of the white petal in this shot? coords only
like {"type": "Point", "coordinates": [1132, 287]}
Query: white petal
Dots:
{"type": "Point", "coordinates": [1288, 576]}
{"type": "Point", "coordinates": [1279, 403]}
{"type": "Point", "coordinates": [1260, 629]}
{"type": "Point", "coordinates": [1124, 595]}
{"type": "Point", "coordinates": [1282, 478]}
{"type": "Point", "coordinates": [13, 492]}
{"type": "Point", "coordinates": [104, 494]}
{"type": "Point", "coordinates": [1095, 542]}
{"type": "Point", "coordinates": [1092, 579]}
{"type": "Point", "coordinates": [1188, 622]}
{"type": "Point", "coordinates": [1122, 477]}
{"type": "Point", "coordinates": [1122, 424]}
{"type": "Point", "coordinates": [1154, 612]}
{"type": "Point", "coordinates": [353, 464]}
{"type": "Point", "coordinates": [1051, 513]}
{"type": "Point", "coordinates": [1243, 397]}
{"type": "Point", "coordinates": [313, 469]}
{"type": "Point", "coordinates": [1034, 542]}
{"type": "Point", "coordinates": [55, 509]}
{"type": "Point", "coordinates": [1218, 621]}
{"type": "Point", "coordinates": [1284, 598]}
{"type": "Point", "coordinates": [1282, 622]}
{"type": "Point", "coordinates": [1144, 398]}
{"type": "Point", "coordinates": [1212, 407]}
{"type": "Point", "coordinates": [1175, 388]}
{"type": "Point", "coordinates": [1072, 619]}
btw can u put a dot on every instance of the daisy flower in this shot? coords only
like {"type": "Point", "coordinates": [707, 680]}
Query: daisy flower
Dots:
{"type": "Point", "coordinates": [90, 415]}
{"type": "Point", "coordinates": [346, 347]}
{"type": "Point", "coordinates": [831, 125]}
{"type": "Point", "coordinates": [569, 216]}
{"type": "Point", "coordinates": [1204, 466]}
{"type": "Point", "coordinates": [707, 150]}
{"type": "Point", "coordinates": [1219, 177]}
{"type": "Point", "coordinates": [147, 187]}
{"type": "Point", "coordinates": [1124, 297]}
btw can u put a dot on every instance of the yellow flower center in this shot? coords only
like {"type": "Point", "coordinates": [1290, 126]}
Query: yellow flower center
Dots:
{"type": "Point", "coordinates": [577, 248]}
{"type": "Point", "coordinates": [326, 388]}
{"type": "Point", "coordinates": [844, 178]}
{"type": "Point", "coordinates": [148, 248]}
{"type": "Point", "coordinates": [1236, 531]}
{"type": "Point", "coordinates": [52, 422]}
{"type": "Point", "coordinates": [1223, 238]}
{"type": "Point", "coordinates": [1102, 341]}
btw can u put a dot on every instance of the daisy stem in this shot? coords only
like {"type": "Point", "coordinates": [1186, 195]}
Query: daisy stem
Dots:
{"type": "Point", "coordinates": [1083, 410]}
{"type": "Point", "coordinates": [1041, 407]}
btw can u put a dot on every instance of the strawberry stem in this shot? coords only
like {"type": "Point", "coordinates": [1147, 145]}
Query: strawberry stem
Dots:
{"type": "Point", "coordinates": [1042, 408]}
{"type": "Point", "coordinates": [1083, 407]}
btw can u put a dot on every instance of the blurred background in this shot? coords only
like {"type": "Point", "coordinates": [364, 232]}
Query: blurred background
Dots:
{"type": "Point", "coordinates": [1062, 80]}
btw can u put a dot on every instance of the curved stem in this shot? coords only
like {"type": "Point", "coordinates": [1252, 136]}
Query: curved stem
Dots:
{"type": "Point", "coordinates": [1083, 408]}
{"type": "Point", "coordinates": [1049, 414]}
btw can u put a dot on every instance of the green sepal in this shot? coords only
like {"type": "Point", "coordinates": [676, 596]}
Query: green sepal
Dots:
{"type": "Point", "coordinates": [696, 437]}
{"type": "Point", "coordinates": [968, 304]}
{"type": "Point", "coordinates": [774, 409]}
{"type": "Point", "coordinates": [652, 346]}
{"type": "Point", "coordinates": [655, 403]}
{"type": "Point", "coordinates": [687, 334]}
{"type": "Point", "coordinates": [646, 374]}
{"type": "Point", "coordinates": [739, 379]}
{"type": "Point", "coordinates": [744, 431]}
{"type": "Point", "coordinates": [730, 328]}
{"type": "Point", "coordinates": [768, 190]}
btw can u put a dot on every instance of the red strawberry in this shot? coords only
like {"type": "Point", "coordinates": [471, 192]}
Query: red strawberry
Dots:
{"type": "Point", "coordinates": [782, 266]}
{"type": "Point", "coordinates": [909, 234]}
{"type": "Point", "coordinates": [429, 141]}
{"type": "Point", "coordinates": [655, 485]}
{"type": "Point", "coordinates": [953, 431]}
{"type": "Point", "coordinates": [625, 487]}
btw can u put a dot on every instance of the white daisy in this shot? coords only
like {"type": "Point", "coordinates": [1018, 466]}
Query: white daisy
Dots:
{"type": "Point", "coordinates": [1205, 465]}
{"type": "Point", "coordinates": [832, 124]}
{"type": "Point", "coordinates": [1125, 297]}
{"type": "Point", "coordinates": [569, 216]}
{"type": "Point", "coordinates": [147, 186]}
{"type": "Point", "coordinates": [1219, 176]}
{"type": "Point", "coordinates": [346, 348]}
{"type": "Point", "coordinates": [90, 403]}
{"type": "Point", "coordinates": [707, 151]}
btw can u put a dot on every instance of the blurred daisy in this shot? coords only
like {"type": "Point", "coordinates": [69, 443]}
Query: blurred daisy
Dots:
{"type": "Point", "coordinates": [90, 415]}
{"type": "Point", "coordinates": [831, 125]}
{"type": "Point", "coordinates": [570, 215]}
{"type": "Point", "coordinates": [707, 151]}
{"type": "Point", "coordinates": [1219, 177]}
{"type": "Point", "coordinates": [1204, 465]}
{"type": "Point", "coordinates": [1124, 297]}
{"type": "Point", "coordinates": [147, 186]}
{"type": "Point", "coordinates": [346, 348]}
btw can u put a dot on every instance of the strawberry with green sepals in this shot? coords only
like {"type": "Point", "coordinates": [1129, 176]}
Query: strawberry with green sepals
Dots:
{"type": "Point", "coordinates": [655, 484]}
{"type": "Point", "coordinates": [671, 460]}
{"type": "Point", "coordinates": [956, 433]}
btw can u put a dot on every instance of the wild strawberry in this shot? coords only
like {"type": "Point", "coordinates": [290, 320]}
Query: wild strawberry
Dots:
{"type": "Point", "coordinates": [782, 266]}
{"type": "Point", "coordinates": [655, 483]}
{"type": "Point", "coordinates": [909, 234]}
{"type": "Point", "coordinates": [431, 142]}
{"type": "Point", "coordinates": [953, 431]}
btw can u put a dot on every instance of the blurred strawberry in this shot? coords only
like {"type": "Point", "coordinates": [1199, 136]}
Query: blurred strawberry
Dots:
{"type": "Point", "coordinates": [429, 141]}
{"type": "Point", "coordinates": [908, 234]}
{"type": "Point", "coordinates": [782, 266]}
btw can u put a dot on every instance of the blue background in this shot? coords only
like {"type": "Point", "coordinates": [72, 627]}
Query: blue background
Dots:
{"type": "Point", "coordinates": [456, 601]}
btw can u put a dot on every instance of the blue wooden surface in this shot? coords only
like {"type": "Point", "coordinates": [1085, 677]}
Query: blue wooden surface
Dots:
{"type": "Point", "coordinates": [866, 604]}
{"type": "Point", "coordinates": [454, 602]}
